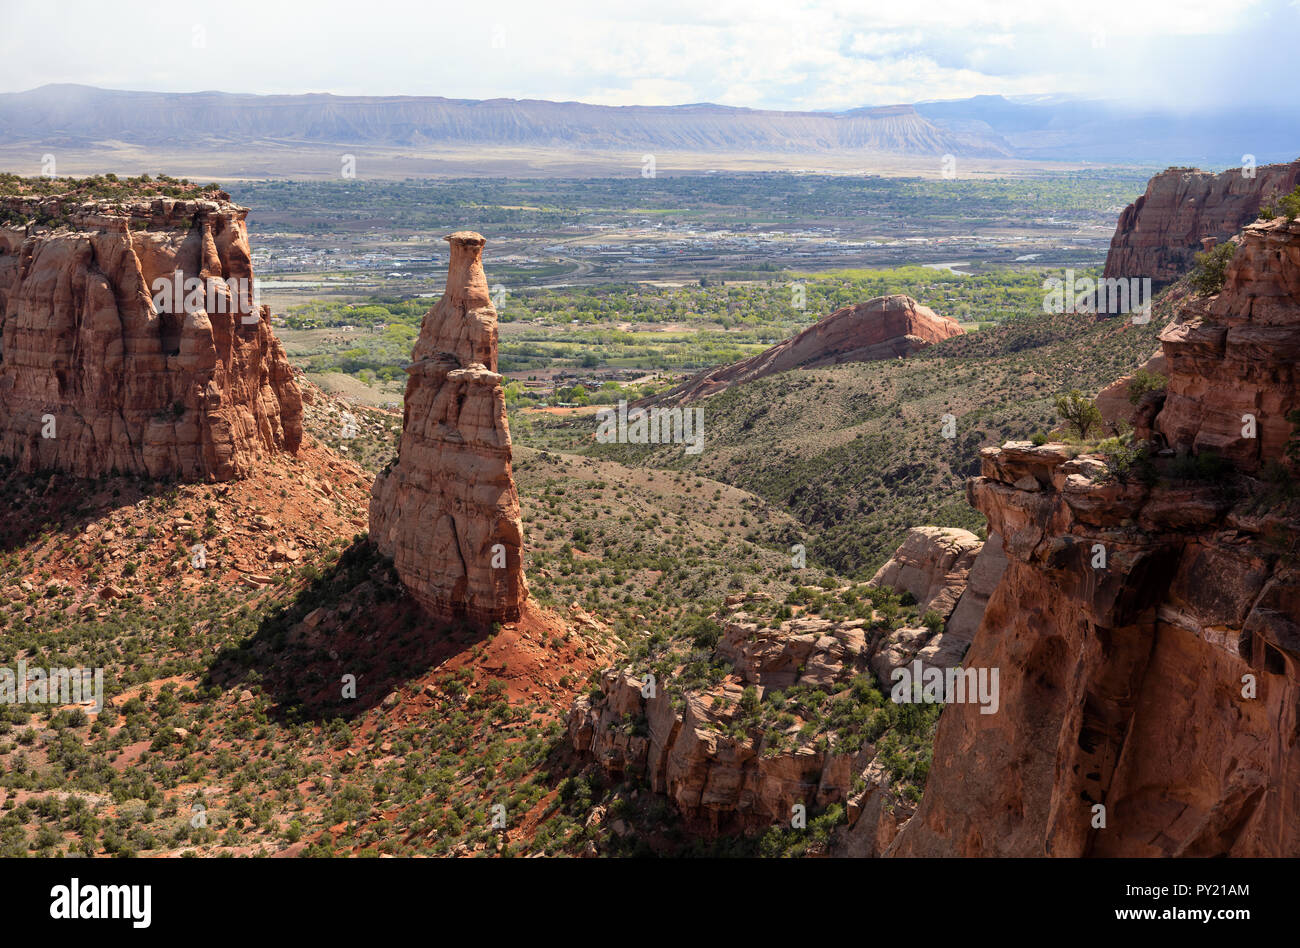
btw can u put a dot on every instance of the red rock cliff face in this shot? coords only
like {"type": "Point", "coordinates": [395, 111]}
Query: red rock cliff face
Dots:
{"type": "Point", "coordinates": [1232, 357]}
{"type": "Point", "coordinates": [882, 328]}
{"type": "Point", "coordinates": [94, 377]}
{"type": "Point", "coordinates": [1159, 234]}
{"type": "Point", "coordinates": [1162, 683]}
{"type": "Point", "coordinates": [447, 511]}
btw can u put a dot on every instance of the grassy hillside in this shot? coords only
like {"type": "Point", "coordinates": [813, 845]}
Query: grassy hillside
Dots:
{"type": "Point", "coordinates": [856, 453]}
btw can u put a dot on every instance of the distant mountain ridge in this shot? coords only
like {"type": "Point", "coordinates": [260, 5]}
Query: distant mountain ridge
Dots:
{"type": "Point", "coordinates": [82, 114]}
{"type": "Point", "coordinates": [985, 126]}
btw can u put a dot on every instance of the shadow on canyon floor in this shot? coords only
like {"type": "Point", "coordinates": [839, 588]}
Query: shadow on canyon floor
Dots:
{"type": "Point", "coordinates": [50, 502]}
{"type": "Point", "coordinates": [353, 620]}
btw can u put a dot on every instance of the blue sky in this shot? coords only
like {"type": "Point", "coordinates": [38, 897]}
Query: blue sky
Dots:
{"type": "Point", "coordinates": [789, 54]}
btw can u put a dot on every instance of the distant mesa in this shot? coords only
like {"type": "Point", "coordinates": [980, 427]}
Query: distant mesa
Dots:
{"type": "Point", "coordinates": [447, 510]}
{"type": "Point", "coordinates": [887, 327]}
{"type": "Point", "coordinates": [98, 373]}
{"type": "Point", "coordinates": [1159, 234]}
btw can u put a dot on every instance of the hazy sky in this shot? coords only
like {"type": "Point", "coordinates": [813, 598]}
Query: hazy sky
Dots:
{"type": "Point", "coordinates": [797, 54]}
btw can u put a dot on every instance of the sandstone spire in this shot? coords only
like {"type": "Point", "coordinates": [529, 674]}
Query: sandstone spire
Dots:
{"type": "Point", "coordinates": [446, 510]}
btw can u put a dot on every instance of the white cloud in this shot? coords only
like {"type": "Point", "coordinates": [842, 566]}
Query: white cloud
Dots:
{"type": "Point", "coordinates": [814, 54]}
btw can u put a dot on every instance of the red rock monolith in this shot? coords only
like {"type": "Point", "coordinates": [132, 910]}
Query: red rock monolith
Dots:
{"type": "Point", "coordinates": [446, 510]}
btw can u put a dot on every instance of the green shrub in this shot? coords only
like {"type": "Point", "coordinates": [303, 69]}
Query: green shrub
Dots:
{"type": "Point", "coordinates": [1287, 205]}
{"type": "Point", "coordinates": [1128, 461]}
{"type": "Point", "coordinates": [1212, 268]}
{"type": "Point", "coordinates": [1143, 382]}
{"type": "Point", "coordinates": [1078, 411]}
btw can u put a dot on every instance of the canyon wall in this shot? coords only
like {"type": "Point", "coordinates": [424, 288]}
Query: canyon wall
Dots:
{"type": "Point", "coordinates": [96, 377]}
{"type": "Point", "coordinates": [1231, 358]}
{"type": "Point", "coordinates": [1147, 625]}
{"type": "Point", "coordinates": [1159, 234]}
{"type": "Point", "coordinates": [886, 327]}
{"type": "Point", "coordinates": [446, 510]}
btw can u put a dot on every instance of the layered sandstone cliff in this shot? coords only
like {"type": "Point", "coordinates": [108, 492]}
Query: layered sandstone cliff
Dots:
{"type": "Point", "coordinates": [446, 510]}
{"type": "Point", "coordinates": [1231, 358]}
{"type": "Point", "coordinates": [1159, 234]}
{"type": "Point", "coordinates": [1147, 626]}
{"type": "Point", "coordinates": [887, 327]}
{"type": "Point", "coordinates": [105, 367]}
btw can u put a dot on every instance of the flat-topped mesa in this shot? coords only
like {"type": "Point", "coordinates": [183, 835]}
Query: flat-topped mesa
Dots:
{"type": "Point", "coordinates": [446, 510]}
{"type": "Point", "coordinates": [1159, 234]}
{"type": "Point", "coordinates": [130, 342]}
{"type": "Point", "coordinates": [1231, 358]}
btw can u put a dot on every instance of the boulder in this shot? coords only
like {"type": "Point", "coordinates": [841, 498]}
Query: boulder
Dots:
{"type": "Point", "coordinates": [932, 564]}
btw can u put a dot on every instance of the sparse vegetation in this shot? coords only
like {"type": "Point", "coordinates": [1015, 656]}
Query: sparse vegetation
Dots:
{"type": "Point", "coordinates": [1078, 411]}
{"type": "Point", "coordinates": [1211, 269]}
{"type": "Point", "coordinates": [1287, 205]}
{"type": "Point", "coordinates": [1145, 381]}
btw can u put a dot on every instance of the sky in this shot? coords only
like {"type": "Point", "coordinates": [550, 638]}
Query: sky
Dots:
{"type": "Point", "coordinates": [775, 54]}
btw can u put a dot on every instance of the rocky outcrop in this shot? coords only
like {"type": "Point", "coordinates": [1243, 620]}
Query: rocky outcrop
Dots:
{"type": "Point", "coordinates": [949, 572]}
{"type": "Point", "coordinates": [1117, 402]}
{"type": "Point", "coordinates": [1147, 626]}
{"type": "Point", "coordinates": [932, 564]}
{"type": "Point", "coordinates": [1124, 628]}
{"type": "Point", "coordinates": [446, 510]}
{"type": "Point", "coordinates": [105, 367]}
{"type": "Point", "coordinates": [1159, 234]}
{"type": "Point", "coordinates": [1231, 358]}
{"type": "Point", "coordinates": [981, 581]}
{"type": "Point", "coordinates": [733, 756]}
{"type": "Point", "coordinates": [706, 749]}
{"type": "Point", "coordinates": [887, 327]}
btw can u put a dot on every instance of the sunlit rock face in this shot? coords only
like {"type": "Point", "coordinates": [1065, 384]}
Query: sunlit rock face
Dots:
{"type": "Point", "coordinates": [446, 510]}
{"type": "Point", "coordinates": [129, 342]}
{"type": "Point", "coordinates": [1159, 234]}
{"type": "Point", "coordinates": [1146, 629]}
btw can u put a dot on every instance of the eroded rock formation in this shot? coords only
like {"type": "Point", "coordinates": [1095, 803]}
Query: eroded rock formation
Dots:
{"type": "Point", "coordinates": [723, 773]}
{"type": "Point", "coordinates": [949, 572]}
{"type": "Point", "coordinates": [1231, 358]}
{"type": "Point", "coordinates": [886, 327]}
{"type": "Point", "coordinates": [95, 376]}
{"type": "Point", "coordinates": [1159, 234]}
{"type": "Point", "coordinates": [1147, 628]}
{"type": "Point", "coordinates": [446, 510]}
{"type": "Point", "coordinates": [932, 564]}
{"type": "Point", "coordinates": [725, 770]}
